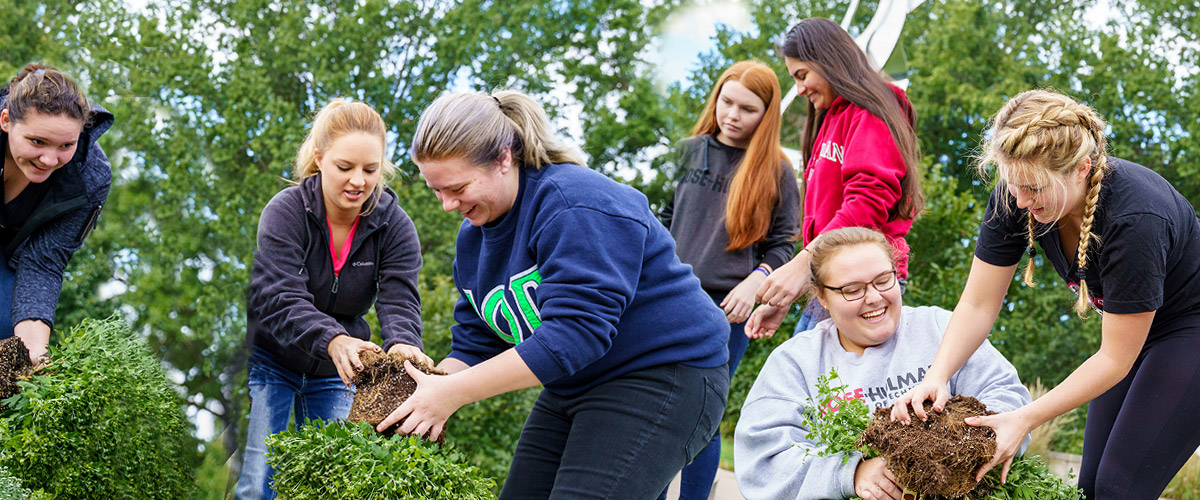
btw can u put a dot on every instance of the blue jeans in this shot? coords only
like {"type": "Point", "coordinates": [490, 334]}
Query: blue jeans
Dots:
{"type": "Point", "coordinates": [7, 280]}
{"type": "Point", "coordinates": [275, 393]}
{"type": "Point", "coordinates": [623, 439]}
{"type": "Point", "coordinates": [697, 478]}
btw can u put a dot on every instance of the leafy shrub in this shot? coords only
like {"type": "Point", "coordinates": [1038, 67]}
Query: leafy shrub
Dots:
{"type": "Point", "coordinates": [99, 420]}
{"type": "Point", "coordinates": [10, 487]}
{"type": "Point", "coordinates": [349, 460]}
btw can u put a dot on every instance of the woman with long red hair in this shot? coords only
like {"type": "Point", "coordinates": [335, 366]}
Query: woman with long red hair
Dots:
{"type": "Point", "coordinates": [734, 214]}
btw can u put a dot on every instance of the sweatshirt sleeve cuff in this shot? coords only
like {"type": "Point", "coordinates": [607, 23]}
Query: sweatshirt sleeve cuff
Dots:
{"type": "Point", "coordinates": [541, 360]}
{"type": "Point", "coordinates": [405, 339]}
{"type": "Point", "coordinates": [846, 474]}
{"type": "Point", "coordinates": [320, 349]}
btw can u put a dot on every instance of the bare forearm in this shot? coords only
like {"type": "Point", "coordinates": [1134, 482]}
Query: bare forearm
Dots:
{"type": "Point", "coordinates": [504, 373]}
{"type": "Point", "coordinates": [968, 328]}
{"type": "Point", "coordinates": [452, 365]}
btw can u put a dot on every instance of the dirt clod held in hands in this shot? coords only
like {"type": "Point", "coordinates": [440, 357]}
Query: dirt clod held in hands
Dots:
{"type": "Point", "coordinates": [383, 385]}
{"type": "Point", "coordinates": [14, 364]}
{"type": "Point", "coordinates": [938, 456]}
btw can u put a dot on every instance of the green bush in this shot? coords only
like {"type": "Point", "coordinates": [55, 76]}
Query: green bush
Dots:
{"type": "Point", "coordinates": [10, 487]}
{"type": "Point", "coordinates": [99, 420]}
{"type": "Point", "coordinates": [349, 460]}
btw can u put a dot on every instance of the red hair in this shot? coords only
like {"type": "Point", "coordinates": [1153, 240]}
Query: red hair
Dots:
{"type": "Point", "coordinates": [754, 190]}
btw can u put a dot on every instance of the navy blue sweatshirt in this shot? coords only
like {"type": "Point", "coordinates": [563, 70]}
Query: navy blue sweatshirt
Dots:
{"type": "Point", "coordinates": [582, 278]}
{"type": "Point", "coordinates": [297, 305]}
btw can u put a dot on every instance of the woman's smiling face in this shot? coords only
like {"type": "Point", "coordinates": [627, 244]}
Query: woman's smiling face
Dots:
{"type": "Point", "coordinates": [873, 318]}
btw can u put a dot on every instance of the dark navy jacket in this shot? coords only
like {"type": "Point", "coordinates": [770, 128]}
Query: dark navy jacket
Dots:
{"type": "Point", "coordinates": [297, 305]}
{"type": "Point", "coordinates": [39, 252]}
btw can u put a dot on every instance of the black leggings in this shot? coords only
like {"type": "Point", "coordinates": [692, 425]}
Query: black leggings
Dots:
{"type": "Point", "coordinates": [1141, 432]}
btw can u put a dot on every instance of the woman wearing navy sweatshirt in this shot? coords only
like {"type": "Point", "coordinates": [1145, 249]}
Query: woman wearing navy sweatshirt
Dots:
{"type": "Point", "coordinates": [568, 281]}
{"type": "Point", "coordinates": [328, 249]}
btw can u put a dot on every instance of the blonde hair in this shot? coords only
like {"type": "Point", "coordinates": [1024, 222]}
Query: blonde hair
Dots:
{"type": "Point", "coordinates": [1039, 134]}
{"type": "Point", "coordinates": [338, 118]}
{"type": "Point", "coordinates": [825, 246]}
{"type": "Point", "coordinates": [478, 127]}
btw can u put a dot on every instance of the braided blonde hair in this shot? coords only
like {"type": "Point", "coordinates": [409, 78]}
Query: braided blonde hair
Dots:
{"type": "Point", "coordinates": [1044, 135]}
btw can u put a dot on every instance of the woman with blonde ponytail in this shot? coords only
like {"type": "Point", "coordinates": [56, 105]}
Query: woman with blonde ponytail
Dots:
{"type": "Point", "coordinates": [567, 281]}
{"type": "Point", "coordinates": [1129, 245]}
{"type": "Point", "coordinates": [734, 213]}
{"type": "Point", "coordinates": [329, 248]}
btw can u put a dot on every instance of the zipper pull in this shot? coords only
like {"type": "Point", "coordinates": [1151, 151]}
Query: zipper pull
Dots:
{"type": "Point", "coordinates": [335, 283]}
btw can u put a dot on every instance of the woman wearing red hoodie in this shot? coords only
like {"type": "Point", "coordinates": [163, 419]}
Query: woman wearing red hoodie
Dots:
{"type": "Point", "coordinates": [862, 160]}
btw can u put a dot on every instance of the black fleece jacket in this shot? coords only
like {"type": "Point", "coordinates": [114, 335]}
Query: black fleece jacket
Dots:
{"type": "Point", "coordinates": [297, 305]}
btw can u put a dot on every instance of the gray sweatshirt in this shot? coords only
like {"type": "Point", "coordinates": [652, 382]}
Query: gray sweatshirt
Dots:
{"type": "Point", "coordinates": [770, 443]}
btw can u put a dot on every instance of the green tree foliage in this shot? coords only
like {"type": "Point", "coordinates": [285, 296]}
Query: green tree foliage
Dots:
{"type": "Point", "coordinates": [213, 97]}
{"type": "Point", "coordinates": [99, 420]}
{"type": "Point", "coordinates": [353, 462]}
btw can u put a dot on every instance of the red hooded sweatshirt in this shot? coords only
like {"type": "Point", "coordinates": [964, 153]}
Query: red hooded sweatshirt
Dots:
{"type": "Point", "coordinates": [853, 177]}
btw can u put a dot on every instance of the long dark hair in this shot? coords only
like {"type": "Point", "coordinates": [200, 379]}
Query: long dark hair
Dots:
{"type": "Point", "coordinates": [830, 51]}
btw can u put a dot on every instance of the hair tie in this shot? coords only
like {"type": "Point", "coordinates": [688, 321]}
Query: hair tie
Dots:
{"type": "Point", "coordinates": [1032, 251]}
{"type": "Point", "coordinates": [39, 71]}
{"type": "Point", "coordinates": [1079, 273]}
{"type": "Point", "coordinates": [497, 99]}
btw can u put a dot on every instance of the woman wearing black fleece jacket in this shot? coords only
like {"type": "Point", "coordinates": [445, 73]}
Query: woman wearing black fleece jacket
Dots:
{"type": "Point", "coordinates": [328, 249]}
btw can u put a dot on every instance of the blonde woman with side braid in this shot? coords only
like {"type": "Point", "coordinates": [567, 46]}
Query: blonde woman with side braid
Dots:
{"type": "Point", "coordinates": [1129, 244]}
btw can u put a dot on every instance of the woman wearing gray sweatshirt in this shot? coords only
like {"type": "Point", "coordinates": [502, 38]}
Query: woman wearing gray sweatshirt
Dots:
{"type": "Point", "coordinates": [879, 348]}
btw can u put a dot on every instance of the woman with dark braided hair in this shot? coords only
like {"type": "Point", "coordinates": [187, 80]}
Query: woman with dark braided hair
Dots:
{"type": "Point", "coordinates": [56, 179]}
{"type": "Point", "coordinates": [1129, 244]}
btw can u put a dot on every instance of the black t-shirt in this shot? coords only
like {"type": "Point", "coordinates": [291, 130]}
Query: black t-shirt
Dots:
{"type": "Point", "coordinates": [1148, 254]}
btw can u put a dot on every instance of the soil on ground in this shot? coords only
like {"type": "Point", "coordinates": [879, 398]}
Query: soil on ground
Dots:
{"type": "Point", "coordinates": [938, 456]}
{"type": "Point", "coordinates": [14, 364]}
{"type": "Point", "coordinates": [383, 385]}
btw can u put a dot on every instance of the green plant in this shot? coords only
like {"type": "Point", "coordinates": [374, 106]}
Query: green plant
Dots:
{"type": "Point", "coordinates": [349, 460]}
{"type": "Point", "coordinates": [99, 420]}
{"type": "Point", "coordinates": [834, 422]}
{"type": "Point", "coordinates": [10, 487]}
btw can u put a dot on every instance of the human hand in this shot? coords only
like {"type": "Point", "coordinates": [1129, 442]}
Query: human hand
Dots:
{"type": "Point", "coordinates": [764, 321]}
{"type": "Point", "coordinates": [873, 481]}
{"type": "Point", "coordinates": [411, 351]}
{"type": "Point", "coordinates": [786, 284]}
{"type": "Point", "coordinates": [740, 301]}
{"type": "Point", "coordinates": [425, 412]}
{"type": "Point", "coordinates": [1010, 427]}
{"type": "Point", "coordinates": [36, 336]}
{"type": "Point", "coordinates": [928, 390]}
{"type": "Point", "coordinates": [344, 351]}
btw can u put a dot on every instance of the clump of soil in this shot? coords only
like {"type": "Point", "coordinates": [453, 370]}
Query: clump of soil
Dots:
{"type": "Point", "coordinates": [383, 385]}
{"type": "Point", "coordinates": [938, 456]}
{"type": "Point", "coordinates": [14, 364]}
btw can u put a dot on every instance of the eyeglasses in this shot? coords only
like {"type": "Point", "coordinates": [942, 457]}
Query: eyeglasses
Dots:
{"type": "Point", "coordinates": [857, 290]}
